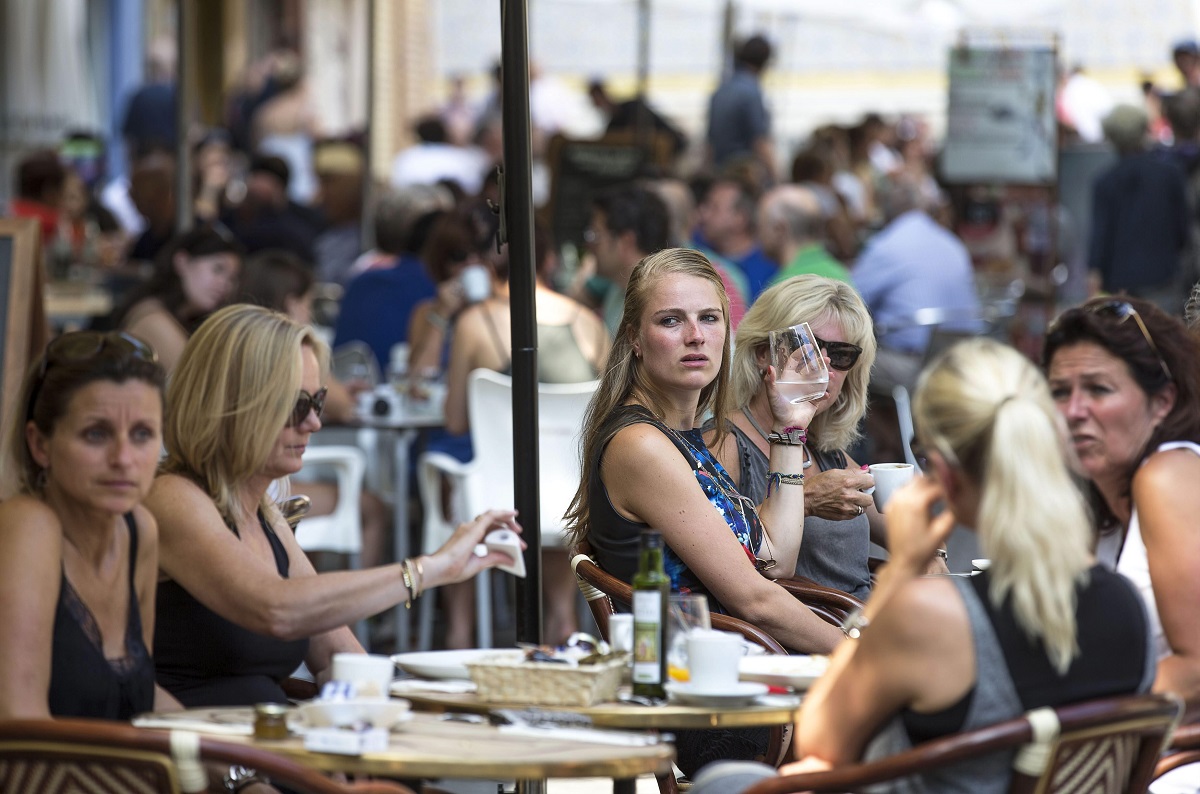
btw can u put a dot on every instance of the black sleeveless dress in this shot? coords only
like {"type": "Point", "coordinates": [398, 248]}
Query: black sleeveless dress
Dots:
{"type": "Point", "coordinates": [83, 683]}
{"type": "Point", "coordinates": [205, 660]}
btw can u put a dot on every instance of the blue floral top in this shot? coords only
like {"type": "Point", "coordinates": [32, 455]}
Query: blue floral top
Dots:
{"type": "Point", "coordinates": [614, 539]}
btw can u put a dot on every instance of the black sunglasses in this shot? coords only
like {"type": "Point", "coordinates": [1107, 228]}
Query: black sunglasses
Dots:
{"type": "Point", "coordinates": [307, 402]}
{"type": "Point", "coordinates": [842, 355]}
{"type": "Point", "coordinates": [919, 454]}
{"type": "Point", "coordinates": [80, 346]}
{"type": "Point", "coordinates": [1123, 311]}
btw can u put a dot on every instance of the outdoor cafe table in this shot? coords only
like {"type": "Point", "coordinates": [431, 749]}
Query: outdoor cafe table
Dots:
{"type": "Point", "coordinates": [768, 711]}
{"type": "Point", "coordinates": [430, 747]}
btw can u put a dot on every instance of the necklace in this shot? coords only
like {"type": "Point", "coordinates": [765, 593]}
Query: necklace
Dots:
{"type": "Point", "coordinates": [736, 500]}
{"type": "Point", "coordinates": [750, 417]}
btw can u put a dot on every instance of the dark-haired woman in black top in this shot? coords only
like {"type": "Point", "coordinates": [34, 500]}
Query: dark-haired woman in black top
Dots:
{"type": "Point", "coordinates": [78, 553]}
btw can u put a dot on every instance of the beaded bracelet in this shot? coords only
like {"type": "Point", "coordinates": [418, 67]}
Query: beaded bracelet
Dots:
{"type": "Point", "coordinates": [776, 479]}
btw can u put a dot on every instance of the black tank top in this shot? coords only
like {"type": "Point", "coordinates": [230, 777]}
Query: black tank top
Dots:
{"type": "Point", "coordinates": [83, 683]}
{"type": "Point", "coordinates": [205, 660]}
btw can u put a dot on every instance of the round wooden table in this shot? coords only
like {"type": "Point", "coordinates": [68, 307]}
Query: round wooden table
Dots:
{"type": "Point", "coordinates": [431, 747]}
{"type": "Point", "coordinates": [770, 710]}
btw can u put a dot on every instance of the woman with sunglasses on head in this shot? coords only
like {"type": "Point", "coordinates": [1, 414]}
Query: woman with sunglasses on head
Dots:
{"type": "Point", "coordinates": [240, 607]}
{"type": "Point", "coordinates": [194, 275]}
{"type": "Point", "coordinates": [840, 520]}
{"type": "Point", "coordinates": [78, 552]}
{"type": "Point", "coordinates": [1126, 377]}
{"type": "Point", "coordinates": [1044, 625]}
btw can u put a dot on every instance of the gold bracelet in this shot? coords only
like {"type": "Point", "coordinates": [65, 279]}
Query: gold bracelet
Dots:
{"type": "Point", "coordinates": [420, 576]}
{"type": "Point", "coordinates": [407, 584]}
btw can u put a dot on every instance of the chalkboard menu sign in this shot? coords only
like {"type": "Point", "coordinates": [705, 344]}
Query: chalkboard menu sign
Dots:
{"type": "Point", "coordinates": [579, 169]}
{"type": "Point", "coordinates": [1000, 124]}
{"type": "Point", "coordinates": [23, 329]}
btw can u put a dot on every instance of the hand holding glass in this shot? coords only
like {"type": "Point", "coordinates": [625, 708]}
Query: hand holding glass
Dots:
{"type": "Point", "coordinates": [800, 371]}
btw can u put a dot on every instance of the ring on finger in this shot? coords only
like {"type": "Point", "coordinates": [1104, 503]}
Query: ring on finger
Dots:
{"type": "Point", "coordinates": [861, 510]}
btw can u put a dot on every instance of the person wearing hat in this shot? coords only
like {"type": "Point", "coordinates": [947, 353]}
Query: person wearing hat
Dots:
{"type": "Point", "coordinates": [1186, 57]}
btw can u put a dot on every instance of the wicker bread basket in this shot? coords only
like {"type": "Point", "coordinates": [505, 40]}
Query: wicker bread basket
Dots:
{"type": "Point", "coordinates": [505, 680]}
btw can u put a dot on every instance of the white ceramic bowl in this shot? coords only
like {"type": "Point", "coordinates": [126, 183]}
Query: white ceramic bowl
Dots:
{"type": "Point", "coordinates": [335, 713]}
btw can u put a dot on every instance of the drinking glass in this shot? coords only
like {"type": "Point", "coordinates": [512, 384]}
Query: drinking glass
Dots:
{"type": "Point", "coordinates": [686, 612]}
{"type": "Point", "coordinates": [800, 371]}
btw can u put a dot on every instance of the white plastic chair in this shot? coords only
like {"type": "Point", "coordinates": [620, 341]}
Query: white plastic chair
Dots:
{"type": "Point", "coordinates": [341, 530]}
{"type": "Point", "coordinates": [486, 482]}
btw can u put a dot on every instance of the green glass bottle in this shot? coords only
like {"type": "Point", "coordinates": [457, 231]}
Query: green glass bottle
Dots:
{"type": "Point", "coordinates": [651, 593]}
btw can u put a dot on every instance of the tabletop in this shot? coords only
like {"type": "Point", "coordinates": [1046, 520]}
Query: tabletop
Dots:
{"type": "Point", "coordinates": [767, 711]}
{"type": "Point", "coordinates": [428, 746]}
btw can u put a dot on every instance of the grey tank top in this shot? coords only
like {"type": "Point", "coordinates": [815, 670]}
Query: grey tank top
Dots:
{"type": "Point", "coordinates": [834, 553]}
{"type": "Point", "coordinates": [995, 699]}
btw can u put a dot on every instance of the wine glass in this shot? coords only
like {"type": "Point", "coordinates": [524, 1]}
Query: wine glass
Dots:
{"type": "Point", "coordinates": [686, 612]}
{"type": "Point", "coordinates": [800, 371]}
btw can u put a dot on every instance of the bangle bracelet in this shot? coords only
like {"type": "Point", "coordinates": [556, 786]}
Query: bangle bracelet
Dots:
{"type": "Point", "coordinates": [407, 584]}
{"type": "Point", "coordinates": [775, 479]}
{"type": "Point", "coordinates": [792, 436]}
{"type": "Point", "coordinates": [420, 575]}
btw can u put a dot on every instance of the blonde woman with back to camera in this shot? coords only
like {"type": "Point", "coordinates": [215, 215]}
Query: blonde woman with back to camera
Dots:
{"type": "Point", "coordinates": [1045, 625]}
{"type": "Point", "coordinates": [240, 607]}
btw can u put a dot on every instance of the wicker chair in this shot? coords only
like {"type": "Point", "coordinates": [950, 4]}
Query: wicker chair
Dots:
{"type": "Point", "coordinates": [1105, 746]}
{"type": "Point", "coordinates": [1184, 749]}
{"type": "Point", "coordinates": [72, 755]}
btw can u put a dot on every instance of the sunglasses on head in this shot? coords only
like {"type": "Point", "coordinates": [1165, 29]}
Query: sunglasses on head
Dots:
{"type": "Point", "coordinates": [80, 346]}
{"type": "Point", "coordinates": [307, 402]}
{"type": "Point", "coordinates": [1123, 311]}
{"type": "Point", "coordinates": [842, 355]}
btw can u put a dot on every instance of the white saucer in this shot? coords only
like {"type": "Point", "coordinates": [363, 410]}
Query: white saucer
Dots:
{"type": "Point", "coordinates": [740, 694]}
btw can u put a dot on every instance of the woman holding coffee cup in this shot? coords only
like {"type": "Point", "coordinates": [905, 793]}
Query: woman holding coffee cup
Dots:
{"type": "Point", "coordinates": [840, 516]}
{"type": "Point", "coordinates": [1045, 625]}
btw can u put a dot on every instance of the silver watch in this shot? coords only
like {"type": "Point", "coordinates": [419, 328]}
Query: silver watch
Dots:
{"type": "Point", "coordinates": [854, 623]}
{"type": "Point", "coordinates": [238, 777]}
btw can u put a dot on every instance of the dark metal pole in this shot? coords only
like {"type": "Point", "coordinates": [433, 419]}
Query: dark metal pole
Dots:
{"type": "Point", "coordinates": [516, 220]}
{"type": "Point", "coordinates": [367, 221]}
{"type": "Point", "coordinates": [186, 89]}
{"type": "Point", "coordinates": [642, 129]}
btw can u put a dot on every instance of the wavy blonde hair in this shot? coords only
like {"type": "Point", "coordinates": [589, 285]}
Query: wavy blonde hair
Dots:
{"type": "Point", "coordinates": [230, 396]}
{"type": "Point", "coordinates": [814, 300]}
{"type": "Point", "coordinates": [988, 411]}
{"type": "Point", "coordinates": [625, 377]}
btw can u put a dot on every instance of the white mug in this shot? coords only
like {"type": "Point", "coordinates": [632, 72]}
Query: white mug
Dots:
{"type": "Point", "coordinates": [713, 659]}
{"type": "Point", "coordinates": [371, 674]}
{"type": "Point", "coordinates": [476, 283]}
{"type": "Point", "coordinates": [888, 477]}
{"type": "Point", "coordinates": [620, 631]}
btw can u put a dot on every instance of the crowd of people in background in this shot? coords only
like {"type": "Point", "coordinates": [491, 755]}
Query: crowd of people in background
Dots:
{"type": "Point", "coordinates": [855, 234]}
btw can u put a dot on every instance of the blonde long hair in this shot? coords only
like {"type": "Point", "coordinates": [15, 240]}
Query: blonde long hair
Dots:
{"type": "Point", "coordinates": [625, 377]}
{"type": "Point", "coordinates": [988, 411]}
{"type": "Point", "coordinates": [231, 395]}
{"type": "Point", "coordinates": [815, 300]}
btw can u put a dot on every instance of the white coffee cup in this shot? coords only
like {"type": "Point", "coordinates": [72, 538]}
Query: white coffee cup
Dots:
{"type": "Point", "coordinates": [476, 283]}
{"type": "Point", "coordinates": [371, 674]}
{"type": "Point", "coordinates": [713, 658]}
{"type": "Point", "coordinates": [888, 477]}
{"type": "Point", "coordinates": [620, 632]}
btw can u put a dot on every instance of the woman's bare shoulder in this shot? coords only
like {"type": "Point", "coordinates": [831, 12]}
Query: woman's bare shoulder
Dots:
{"type": "Point", "coordinates": [25, 510]}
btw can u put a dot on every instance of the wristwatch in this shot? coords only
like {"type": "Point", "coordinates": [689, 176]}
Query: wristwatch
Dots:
{"type": "Point", "coordinates": [239, 777]}
{"type": "Point", "coordinates": [792, 436]}
{"type": "Point", "coordinates": [854, 623]}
